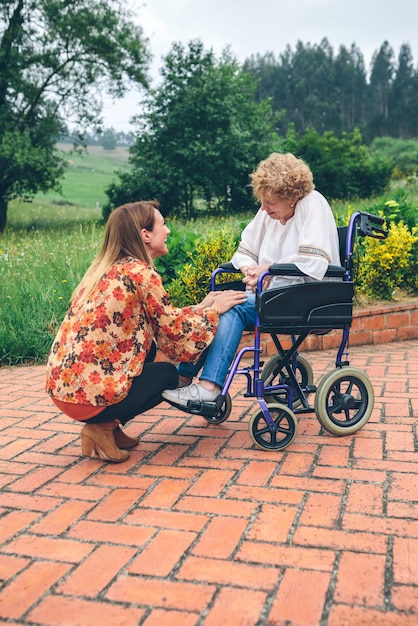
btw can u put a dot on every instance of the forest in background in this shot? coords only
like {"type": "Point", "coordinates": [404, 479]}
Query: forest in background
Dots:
{"type": "Point", "coordinates": [311, 86]}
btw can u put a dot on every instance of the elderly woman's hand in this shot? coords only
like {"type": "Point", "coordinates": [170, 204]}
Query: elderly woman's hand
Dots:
{"type": "Point", "coordinates": [252, 274]}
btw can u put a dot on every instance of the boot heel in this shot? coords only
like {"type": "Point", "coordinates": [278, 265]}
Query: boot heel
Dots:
{"type": "Point", "coordinates": [87, 446]}
{"type": "Point", "coordinates": [121, 455]}
{"type": "Point", "coordinates": [97, 440]}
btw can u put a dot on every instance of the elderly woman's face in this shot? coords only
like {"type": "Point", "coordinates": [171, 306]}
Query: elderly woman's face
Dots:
{"type": "Point", "coordinates": [277, 208]}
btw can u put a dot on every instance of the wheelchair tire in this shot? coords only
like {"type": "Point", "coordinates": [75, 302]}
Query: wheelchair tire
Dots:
{"type": "Point", "coordinates": [344, 401]}
{"type": "Point", "coordinates": [267, 439]}
{"type": "Point", "coordinates": [304, 376]}
{"type": "Point", "coordinates": [222, 414]}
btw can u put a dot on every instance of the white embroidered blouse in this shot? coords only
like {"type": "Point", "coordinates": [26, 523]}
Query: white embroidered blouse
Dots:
{"type": "Point", "coordinates": [309, 239]}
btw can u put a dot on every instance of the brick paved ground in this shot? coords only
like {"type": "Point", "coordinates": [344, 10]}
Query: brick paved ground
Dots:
{"type": "Point", "coordinates": [200, 528]}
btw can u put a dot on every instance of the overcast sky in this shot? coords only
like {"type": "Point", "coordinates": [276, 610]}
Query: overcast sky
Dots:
{"type": "Point", "coordinates": [250, 27]}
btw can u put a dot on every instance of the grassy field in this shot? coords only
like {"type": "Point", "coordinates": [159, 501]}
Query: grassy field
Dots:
{"type": "Point", "coordinates": [88, 175]}
{"type": "Point", "coordinates": [83, 192]}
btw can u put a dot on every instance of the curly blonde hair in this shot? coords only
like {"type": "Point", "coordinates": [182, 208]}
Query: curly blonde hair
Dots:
{"type": "Point", "coordinates": [284, 175]}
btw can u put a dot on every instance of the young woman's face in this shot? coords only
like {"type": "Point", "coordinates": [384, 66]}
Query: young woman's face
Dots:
{"type": "Point", "coordinates": [156, 239]}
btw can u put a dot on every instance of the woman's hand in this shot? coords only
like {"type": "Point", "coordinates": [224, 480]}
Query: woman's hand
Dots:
{"type": "Point", "coordinates": [222, 301]}
{"type": "Point", "coordinates": [225, 300]}
{"type": "Point", "coordinates": [252, 274]}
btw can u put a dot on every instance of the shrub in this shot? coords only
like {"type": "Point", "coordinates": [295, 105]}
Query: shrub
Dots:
{"type": "Point", "coordinates": [180, 245]}
{"type": "Point", "coordinates": [410, 279]}
{"type": "Point", "coordinates": [192, 283]}
{"type": "Point", "coordinates": [342, 167]}
{"type": "Point", "coordinates": [384, 263]}
{"type": "Point", "coordinates": [396, 208]}
{"type": "Point", "coordinates": [403, 153]}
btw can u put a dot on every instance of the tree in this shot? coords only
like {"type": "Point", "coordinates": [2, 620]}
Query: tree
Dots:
{"type": "Point", "coordinates": [109, 139]}
{"type": "Point", "coordinates": [403, 97]}
{"type": "Point", "coordinates": [57, 58]}
{"type": "Point", "coordinates": [380, 86]}
{"type": "Point", "coordinates": [351, 87]}
{"type": "Point", "coordinates": [312, 88]}
{"type": "Point", "coordinates": [342, 168]}
{"type": "Point", "coordinates": [199, 136]}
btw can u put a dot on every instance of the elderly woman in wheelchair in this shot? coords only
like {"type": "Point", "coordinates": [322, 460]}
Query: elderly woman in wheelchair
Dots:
{"type": "Point", "coordinates": [291, 244]}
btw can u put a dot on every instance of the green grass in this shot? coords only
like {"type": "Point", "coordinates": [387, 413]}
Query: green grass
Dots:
{"type": "Point", "coordinates": [88, 175]}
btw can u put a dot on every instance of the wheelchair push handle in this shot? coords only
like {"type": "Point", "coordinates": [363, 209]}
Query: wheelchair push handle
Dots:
{"type": "Point", "coordinates": [370, 226]}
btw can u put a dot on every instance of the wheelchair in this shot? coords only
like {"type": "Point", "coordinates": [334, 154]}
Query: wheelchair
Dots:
{"type": "Point", "coordinates": [283, 387]}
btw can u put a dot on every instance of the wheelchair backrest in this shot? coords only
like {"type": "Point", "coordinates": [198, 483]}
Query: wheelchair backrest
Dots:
{"type": "Point", "coordinates": [342, 241]}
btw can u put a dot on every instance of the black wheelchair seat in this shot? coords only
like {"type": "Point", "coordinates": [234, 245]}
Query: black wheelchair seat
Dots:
{"type": "Point", "coordinates": [296, 308]}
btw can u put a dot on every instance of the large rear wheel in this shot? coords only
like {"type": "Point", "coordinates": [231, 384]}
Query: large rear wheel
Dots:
{"type": "Point", "coordinates": [344, 401]}
{"type": "Point", "coordinates": [271, 375]}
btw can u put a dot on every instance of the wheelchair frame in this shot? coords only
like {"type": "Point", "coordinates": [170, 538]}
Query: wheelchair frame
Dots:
{"type": "Point", "coordinates": [344, 398]}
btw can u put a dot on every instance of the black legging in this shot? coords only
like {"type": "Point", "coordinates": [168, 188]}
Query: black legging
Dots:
{"type": "Point", "coordinates": [144, 394]}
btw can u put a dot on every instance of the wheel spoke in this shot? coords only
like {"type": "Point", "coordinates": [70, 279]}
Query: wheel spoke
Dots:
{"type": "Point", "coordinates": [349, 389]}
{"type": "Point", "coordinates": [336, 407]}
{"type": "Point", "coordinates": [264, 431]}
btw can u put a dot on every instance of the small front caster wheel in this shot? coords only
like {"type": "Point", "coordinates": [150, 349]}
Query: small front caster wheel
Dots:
{"type": "Point", "coordinates": [280, 435]}
{"type": "Point", "coordinates": [221, 414]}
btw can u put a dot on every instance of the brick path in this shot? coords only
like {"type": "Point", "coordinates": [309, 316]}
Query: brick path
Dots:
{"type": "Point", "coordinates": [200, 528]}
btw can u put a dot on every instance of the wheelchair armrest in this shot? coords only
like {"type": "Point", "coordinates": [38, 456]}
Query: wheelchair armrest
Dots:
{"type": "Point", "coordinates": [228, 267]}
{"type": "Point", "coordinates": [285, 269]}
{"type": "Point", "coordinates": [290, 269]}
{"type": "Point", "coordinates": [335, 271]}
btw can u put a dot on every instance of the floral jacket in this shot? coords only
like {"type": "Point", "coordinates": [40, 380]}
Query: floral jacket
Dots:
{"type": "Point", "coordinates": [102, 344]}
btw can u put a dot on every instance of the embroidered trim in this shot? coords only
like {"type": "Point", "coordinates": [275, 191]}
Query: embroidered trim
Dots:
{"type": "Point", "coordinates": [311, 251]}
{"type": "Point", "coordinates": [248, 252]}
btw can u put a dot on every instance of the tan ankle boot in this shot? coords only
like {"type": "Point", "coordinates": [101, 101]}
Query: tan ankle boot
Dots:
{"type": "Point", "coordinates": [122, 440]}
{"type": "Point", "coordinates": [97, 440]}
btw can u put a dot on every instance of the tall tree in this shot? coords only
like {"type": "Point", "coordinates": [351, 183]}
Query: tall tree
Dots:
{"type": "Point", "coordinates": [403, 101]}
{"type": "Point", "coordinates": [199, 135]}
{"type": "Point", "coordinates": [351, 87]}
{"type": "Point", "coordinates": [381, 77]}
{"type": "Point", "coordinates": [57, 59]}
{"type": "Point", "coordinates": [313, 81]}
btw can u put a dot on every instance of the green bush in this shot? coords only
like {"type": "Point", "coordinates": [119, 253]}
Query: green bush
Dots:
{"type": "Point", "coordinates": [192, 283]}
{"type": "Point", "coordinates": [410, 279]}
{"type": "Point", "coordinates": [342, 167]}
{"type": "Point", "coordinates": [180, 245]}
{"type": "Point", "coordinates": [403, 153]}
{"type": "Point", "coordinates": [384, 264]}
{"type": "Point", "coordinates": [396, 208]}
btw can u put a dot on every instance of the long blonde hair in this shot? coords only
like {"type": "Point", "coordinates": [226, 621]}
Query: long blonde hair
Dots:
{"type": "Point", "coordinates": [122, 238]}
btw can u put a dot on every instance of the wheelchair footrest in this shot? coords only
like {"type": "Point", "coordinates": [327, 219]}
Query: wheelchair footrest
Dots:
{"type": "Point", "coordinates": [206, 409]}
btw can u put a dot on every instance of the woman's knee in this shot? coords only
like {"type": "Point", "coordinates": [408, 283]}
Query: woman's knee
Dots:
{"type": "Point", "coordinates": [170, 374]}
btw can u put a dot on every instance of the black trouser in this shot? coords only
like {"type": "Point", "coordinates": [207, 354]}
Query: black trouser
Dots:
{"type": "Point", "coordinates": [144, 394]}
